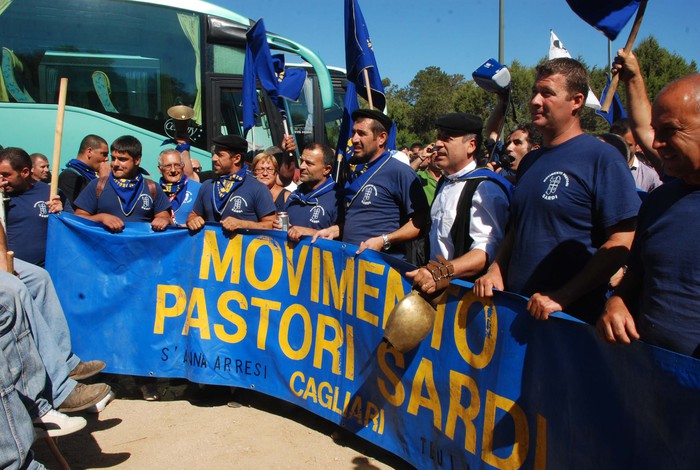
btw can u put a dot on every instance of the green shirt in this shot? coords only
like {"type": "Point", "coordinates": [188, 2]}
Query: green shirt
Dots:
{"type": "Point", "coordinates": [429, 184]}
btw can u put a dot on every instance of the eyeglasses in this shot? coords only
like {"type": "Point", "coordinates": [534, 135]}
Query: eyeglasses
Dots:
{"type": "Point", "coordinates": [196, 169]}
{"type": "Point", "coordinates": [171, 166]}
{"type": "Point", "coordinates": [265, 171]}
{"type": "Point", "coordinates": [104, 154]}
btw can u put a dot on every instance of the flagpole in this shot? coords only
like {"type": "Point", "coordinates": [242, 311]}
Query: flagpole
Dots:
{"type": "Point", "coordinates": [58, 136]}
{"type": "Point", "coordinates": [628, 47]}
{"type": "Point", "coordinates": [369, 91]}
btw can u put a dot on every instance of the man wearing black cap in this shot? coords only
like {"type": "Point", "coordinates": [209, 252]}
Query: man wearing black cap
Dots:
{"type": "Point", "coordinates": [470, 211]}
{"type": "Point", "coordinates": [385, 205]}
{"type": "Point", "coordinates": [234, 198]}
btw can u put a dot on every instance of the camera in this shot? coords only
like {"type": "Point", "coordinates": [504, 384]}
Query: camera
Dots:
{"type": "Point", "coordinates": [492, 76]}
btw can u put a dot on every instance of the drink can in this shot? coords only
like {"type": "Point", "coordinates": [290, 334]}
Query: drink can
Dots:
{"type": "Point", "coordinates": [283, 217]}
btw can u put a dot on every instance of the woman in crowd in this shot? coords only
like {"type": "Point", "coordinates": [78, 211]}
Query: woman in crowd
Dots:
{"type": "Point", "coordinates": [265, 170]}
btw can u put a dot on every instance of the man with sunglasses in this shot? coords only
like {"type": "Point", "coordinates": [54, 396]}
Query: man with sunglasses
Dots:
{"type": "Point", "coordinates": [80, 171]}
{"type": "Point", "coordinates": [470, 210]}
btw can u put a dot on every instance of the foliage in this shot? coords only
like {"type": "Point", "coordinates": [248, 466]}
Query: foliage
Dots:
{"type": "Point", "coordinates": [433, 93]}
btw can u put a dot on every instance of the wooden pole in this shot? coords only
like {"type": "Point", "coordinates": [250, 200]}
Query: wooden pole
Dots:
{"type": "Point", "coordinates": [628, 47]}
{"type": "Point", "coordinates": [58, 136]}
{"type": "Point", "coordinates": [369, 90]}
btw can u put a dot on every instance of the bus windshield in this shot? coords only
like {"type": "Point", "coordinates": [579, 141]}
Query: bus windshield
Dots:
{"type": "Point", "coordinates": [127, 62]}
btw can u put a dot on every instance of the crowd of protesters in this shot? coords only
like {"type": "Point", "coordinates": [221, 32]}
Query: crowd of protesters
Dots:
{"type": "Point", "coordinates": [556, 218]}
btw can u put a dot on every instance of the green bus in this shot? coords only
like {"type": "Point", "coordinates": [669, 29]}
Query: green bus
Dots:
{"type": "Point", "coordinates": [127, 62]}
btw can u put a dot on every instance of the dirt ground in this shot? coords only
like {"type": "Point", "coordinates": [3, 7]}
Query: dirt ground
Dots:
{"type": "Point", "coordinates": [193, 427]}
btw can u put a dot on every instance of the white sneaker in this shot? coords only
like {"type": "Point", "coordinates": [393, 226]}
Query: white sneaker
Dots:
{"type": "Point", "coordinates": [55, 424]}
{"type": "Point", "coordinates": [102, 404]}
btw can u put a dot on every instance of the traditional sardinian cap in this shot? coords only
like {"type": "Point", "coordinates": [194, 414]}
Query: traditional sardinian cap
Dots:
{"type": "Point", "coordinates": [235, 143]}
{"type": "Point", "coordinates": [460, 123]}
{"type": "Point", "coordinates": [379, 116]}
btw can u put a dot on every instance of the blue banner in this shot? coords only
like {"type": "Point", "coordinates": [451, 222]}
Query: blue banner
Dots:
{"type": "Point", "coordinates": [488, 388]}
{"type": "Point", "coordinates": [607, 16]}
{"type": "Point", "coordinates": [616, 111]}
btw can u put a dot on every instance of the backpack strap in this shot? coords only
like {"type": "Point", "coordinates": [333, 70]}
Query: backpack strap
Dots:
{"type": "Point", "coordinates": [151, 188]}
{"type": "Point", "coordinates": [101, 186]}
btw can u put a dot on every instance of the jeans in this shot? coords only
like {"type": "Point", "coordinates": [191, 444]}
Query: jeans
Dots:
{"type": "Point", "coordinates": [17, 431]}
{"type": "Point", "coordinates": [48, 325]}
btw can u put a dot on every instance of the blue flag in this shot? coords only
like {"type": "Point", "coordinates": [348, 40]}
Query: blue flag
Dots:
{"type": "Point", "coordinates": [258, 65]}
{"type": "Point", "coordinates": [616, 111]}
{"type": "Point", "coordinates": [607, 16]}
{"type": "Point", "coordinates": [360, 56]}
{"type": "Point", "coordinates": [344, 146]}
{"type": "Point", "coordinates": [291, 81]}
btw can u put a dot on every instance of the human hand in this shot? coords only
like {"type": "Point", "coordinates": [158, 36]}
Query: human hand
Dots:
{"type": "Point", "coordinates": [374, 243]}
{"type": "Point", "coordinates": [159, 224]}
{"type": "Point", "coordinates": [231, 224]}
{"type": "Point", "coordinates": [55, 204]}
{"type": "Point", "coordinates": [195, 223]}
{"type": "Point", "coordinates": [423, 280]}
{"type": "Point", "coordinates": [541, 306]}
{"type": "Point", "coordinates": [485, 285]}
{"type": "Point", "coordinates": [616, 325]}
{"type": "Point", "coordinates": [112, 223]}
{"type": "Point", "coordinates": [625, 64]}
{"type": "Point", "coordinates": [288, 144]}
{"type": "Point", "coordinates": [329, 233]}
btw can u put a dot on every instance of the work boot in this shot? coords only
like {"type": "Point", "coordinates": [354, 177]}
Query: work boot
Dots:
{"type": "Point", "coordinates": [85, 370]}
{"type": "Point", "coordinates": [83, 397]}
{"type": "Point", "coordinates": [55, 424]}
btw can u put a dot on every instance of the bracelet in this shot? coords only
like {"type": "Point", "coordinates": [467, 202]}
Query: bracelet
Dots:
{"type": "Point", "coordinates": [442, 271]}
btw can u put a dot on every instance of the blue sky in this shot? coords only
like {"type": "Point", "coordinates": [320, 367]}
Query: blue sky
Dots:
{"type": "Point", "coordinates": [459, 35]}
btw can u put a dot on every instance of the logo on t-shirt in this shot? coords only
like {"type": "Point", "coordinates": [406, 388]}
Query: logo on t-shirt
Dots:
{"type": "Point", "coordinates": [239, 204]}
{"type": "Point", "coordinates": [316, 214]}
{"type": "Point", "coordinates": [146, 202]}
{"type": "Point", "coordinates": [367, 194]}
{"type": "Point", "coordinates": [554, 182]}
{"type": "Point", "coordinates": [43, 208]}
{"type": "Point", "coordinates": [188, 197]}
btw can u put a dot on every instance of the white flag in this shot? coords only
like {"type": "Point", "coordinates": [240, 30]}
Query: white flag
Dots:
{"type": "Point", "coordinates": [557, 50]}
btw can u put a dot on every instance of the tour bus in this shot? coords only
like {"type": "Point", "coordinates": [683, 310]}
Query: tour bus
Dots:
{"type": "Point", "coordinates": [127, 62]}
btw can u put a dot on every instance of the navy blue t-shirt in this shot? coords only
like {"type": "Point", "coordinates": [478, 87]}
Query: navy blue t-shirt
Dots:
{"type": "Point", "coordinates": [385, 204]}
{"type": "Point", "coordinates": [321, 215]}
{"type": "Point", "coordinates": [563, 201]}
{"type": "Point", "coordinates": [666, 254]}
{"type": "Point", "coordinates": [108, 202]}
{"type": "Point", "coordinates": [250, 201]}
{"type": "Point", "coordinates": [28, 222]}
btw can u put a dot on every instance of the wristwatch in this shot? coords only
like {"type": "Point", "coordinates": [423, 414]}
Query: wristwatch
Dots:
{"type": "Point", "coordinates": [387, 243]}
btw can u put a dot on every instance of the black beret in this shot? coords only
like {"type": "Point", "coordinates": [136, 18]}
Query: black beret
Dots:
{"type": "Point", "coordinates": [379, 116]}
{"type": "Point", "coordinates": [235, 143]}
{"type": "Point", "coordinates": [460, 123]}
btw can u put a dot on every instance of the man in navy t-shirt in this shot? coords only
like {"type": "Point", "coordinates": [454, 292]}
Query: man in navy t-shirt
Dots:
{"type": "Point", "coordinates": [125, 195]}
{"type": "Point", "coordinates": [314, 204]}
{"type": "Point", "coordinates": [29, 206]}
{"type": "Point", "coordinates": [384, 202]}
{"type": "Point", "coordinates": [85, 167]}
{"type": "Point", "coordinates": [573, 210]}
{"type": "Point", "coordinates": [659, 296]}
{"type": "Point", "coordinates": [234, 198]}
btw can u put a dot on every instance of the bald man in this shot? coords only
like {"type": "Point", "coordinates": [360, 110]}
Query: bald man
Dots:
{"type": "Point", "coordinates": [658, 299]}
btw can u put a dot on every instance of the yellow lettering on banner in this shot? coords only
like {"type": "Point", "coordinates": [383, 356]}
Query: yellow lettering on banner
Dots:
{"type": "Point", "coordinates": [285, 323]}
{"type": "Point", "coordinates": [458, 382]}
{"type": "Point", "coordinates": [162, 311]}
{"type": "Point", "coordinates": [424, 375]}
{"type": "Point", "coordinates": [541, 444]}
{"type": "Point", "coordinates": [295, 274]}
{"type": "Point", "coordinates": [295, 391]}
{"type": "Point", "coordinates": [399, 395]}
{"type": "Point", "coordinates": [275, 268]}
{"type": "Point", "coordinates": [265, 306]}
{"type": "Point", "coordinates": [315, 273]}
{"type": "Point", "coordinates": [210, 255]}
{"type": "Point", "coordinates": [199, 302]}
{"type": "Point", "coordinates": [325, 395]}
{"type": "Point", "coordinates": [522, 438]}
{"type": "Point", "coordinates": [332, 345]}
{"type": "Point", "coordinates": [310, 390]}
{"type": "Point", "coordinates": [230, 315]}
{"type": "Point", "coordinates": [349, 352]}
{"type": "Point", "coordinates": [394, 293]}
{"type": "Point", "coordinates": [356, 410]}
{"type": "Point", "coordinates": [481, 360]}
{"type": "Point", "coordinates": [364, 289]}
{"type": "Point", "coordinates": [372, 414]}
{"type": "Point", "coordinates": [332, 287]}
